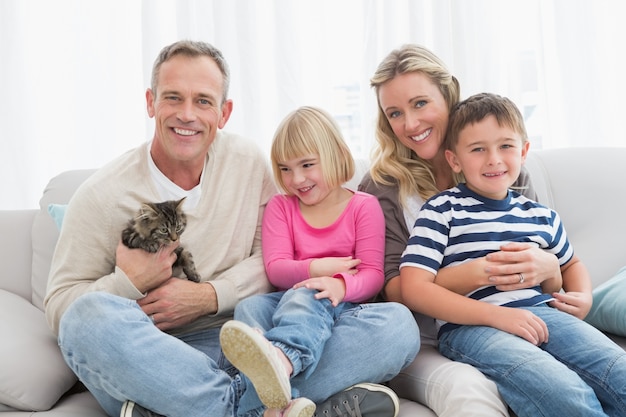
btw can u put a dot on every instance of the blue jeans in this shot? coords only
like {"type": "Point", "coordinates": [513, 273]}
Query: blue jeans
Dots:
{"type": "Point", "coordinates": [579, 372]}
{"type": "Point", "coordinates": [118, 354]}
{"type": "Point", "coordinates": [340, 347]}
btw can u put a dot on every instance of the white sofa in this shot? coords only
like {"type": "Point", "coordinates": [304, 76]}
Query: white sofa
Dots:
{"type": "Point", "coordinates": [585, 185]}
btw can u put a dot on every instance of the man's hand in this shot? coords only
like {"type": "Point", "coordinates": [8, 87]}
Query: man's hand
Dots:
{"type": "Point", "coordinates": [178, 302]}
{"type": "Point", "coordinates": [144, 269]}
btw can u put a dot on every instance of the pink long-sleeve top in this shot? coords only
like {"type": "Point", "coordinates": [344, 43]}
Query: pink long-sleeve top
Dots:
{"type": "Point", "coordinates": [290, 244]}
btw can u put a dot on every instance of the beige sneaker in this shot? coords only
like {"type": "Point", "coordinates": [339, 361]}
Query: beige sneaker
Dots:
{"type": "Point", "coordinates": [254, 356]}
{"type": "Point", "coordinates": [299, 407]}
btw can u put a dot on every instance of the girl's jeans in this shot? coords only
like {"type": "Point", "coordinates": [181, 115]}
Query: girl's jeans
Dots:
{"type": "Point", "coordinates": [330, 347]}
{"type": "Point", "coordinates": [119, 355]}
{"type": "Point", "coordinates": [577, 373]}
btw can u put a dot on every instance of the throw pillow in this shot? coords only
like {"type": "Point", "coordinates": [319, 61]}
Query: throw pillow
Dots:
{"type": "Point", "coordinates": [34, 374]}
{"type": "Point", "coordinates": [609, 305]}
{"type": "Point", "coordinates": [57, 211]}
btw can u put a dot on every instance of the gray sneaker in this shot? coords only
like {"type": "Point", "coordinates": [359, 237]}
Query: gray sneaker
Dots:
{"type": "Point", "coordinates": [361, 400]}
{"type": "Point", "coordinates": [132, 409]}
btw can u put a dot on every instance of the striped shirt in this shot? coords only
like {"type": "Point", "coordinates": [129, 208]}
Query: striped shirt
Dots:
{"type": "Point", "coordinates": [459, 225]}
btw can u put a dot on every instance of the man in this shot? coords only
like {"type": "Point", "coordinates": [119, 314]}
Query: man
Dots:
{"type": "Point", "coordinates": [142, 340]}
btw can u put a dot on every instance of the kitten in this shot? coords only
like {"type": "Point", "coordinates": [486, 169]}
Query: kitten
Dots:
{"type": "Point", "coordinates": [159, 224]}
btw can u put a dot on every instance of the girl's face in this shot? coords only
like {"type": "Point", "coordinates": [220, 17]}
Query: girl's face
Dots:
{"type": "Point", "coordinates": [303, 177]}
{"type": "Point", "coordinates": [490, 157]}
{"type": "Point", "coordinates": [416, 111]}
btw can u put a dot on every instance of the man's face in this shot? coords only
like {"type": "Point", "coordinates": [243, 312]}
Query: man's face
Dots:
{"type": "Point", "coordinates": [187, 108]}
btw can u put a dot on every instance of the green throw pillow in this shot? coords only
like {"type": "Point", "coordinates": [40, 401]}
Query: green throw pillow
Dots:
{"type": "Point", "coordinates": [57, 211]}
{"type": "Point", "coordinates": [609, 305]}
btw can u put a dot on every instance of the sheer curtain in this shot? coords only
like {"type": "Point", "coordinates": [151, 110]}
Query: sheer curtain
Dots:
{"type": "Point", "coordinates": [73, 74]}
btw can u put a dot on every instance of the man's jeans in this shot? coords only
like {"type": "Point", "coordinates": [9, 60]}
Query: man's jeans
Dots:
{"type": "Point", "coordinates": [331, 348]}
{"type": "Point", "coordinates": [577, 373]}
{"type": "Point", "coordinates": [119, 354]}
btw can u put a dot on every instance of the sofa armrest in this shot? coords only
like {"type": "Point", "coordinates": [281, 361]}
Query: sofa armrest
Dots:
{"type": "Point", "coordinates": [16, 251]}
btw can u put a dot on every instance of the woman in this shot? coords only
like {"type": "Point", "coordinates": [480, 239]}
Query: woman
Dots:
{"type": "Point", "coordinates": [415, 93]}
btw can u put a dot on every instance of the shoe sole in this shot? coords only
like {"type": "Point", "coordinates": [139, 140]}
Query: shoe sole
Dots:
{"type": "Point", "coordinates": [127, 409]}
{"type": "Point", "coordinates": [381, 388]}
{"type": "Point", "coordinates": [251, 353]}
{"type": "Point", "coordinates": [301, 407]}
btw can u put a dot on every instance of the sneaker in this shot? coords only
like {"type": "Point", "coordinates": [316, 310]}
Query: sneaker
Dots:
{"type": "Point", "coordinates": [299, 407]}
{"type": "Point", "coordinates": [132, 409]}
{"type": "Point", "coordinates": [254, 356]}
{"type": "Point", "coordinates": [361, 400]}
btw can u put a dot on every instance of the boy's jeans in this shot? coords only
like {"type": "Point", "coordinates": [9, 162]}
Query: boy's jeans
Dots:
{"type": "Point", "coordinates": [119, 354]}
{"type": "Point", "coordinates": [576, 373]}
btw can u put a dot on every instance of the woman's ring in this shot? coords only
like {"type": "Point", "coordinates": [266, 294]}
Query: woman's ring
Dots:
{"type": "Point", "coordinates": [152, 315]}
{"type": "Point", "coordinates": [521, 277]}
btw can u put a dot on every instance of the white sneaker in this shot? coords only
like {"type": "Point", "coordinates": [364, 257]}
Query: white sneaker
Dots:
{"type": "Point", "coordinates": [299, 407]}
{"type": "Point", "coordinates": [251, 353]}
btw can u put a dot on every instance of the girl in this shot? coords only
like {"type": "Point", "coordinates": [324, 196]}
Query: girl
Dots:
{"type": "Point", "coordinates": [323, 248]}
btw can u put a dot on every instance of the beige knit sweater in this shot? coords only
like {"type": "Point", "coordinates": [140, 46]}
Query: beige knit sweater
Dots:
{"type": "Point", "coordinates": [223, 231]}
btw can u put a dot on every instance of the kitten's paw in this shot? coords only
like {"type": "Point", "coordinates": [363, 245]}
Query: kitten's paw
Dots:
{"type": "Point", "coordinates": [193, 276]}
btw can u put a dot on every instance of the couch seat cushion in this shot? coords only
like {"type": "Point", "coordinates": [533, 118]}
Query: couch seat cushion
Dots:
{"type": "Point", "coordinates": [34, 374]}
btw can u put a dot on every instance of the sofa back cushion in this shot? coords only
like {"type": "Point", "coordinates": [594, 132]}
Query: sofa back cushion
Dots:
{"type": "Point", "coordinates": [45, 232]}
{"type": "Point", "coordinates": [586, 187]}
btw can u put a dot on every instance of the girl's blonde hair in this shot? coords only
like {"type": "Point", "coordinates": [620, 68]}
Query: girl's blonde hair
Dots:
{"type": "Point", "coordinates": [392, 162]}
{"type": "Point", "coordinates": [312, 131]}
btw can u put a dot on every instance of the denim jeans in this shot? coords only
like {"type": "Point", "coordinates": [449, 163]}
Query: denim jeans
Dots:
{"type": "Point", "coordinates": [301, 325]}
{"type": "Point", "coordinates": [578, 372]}
{"type": "Point", "coordinates": [118, 353]}
{"type": "Point", "coordinates": [364, 342]}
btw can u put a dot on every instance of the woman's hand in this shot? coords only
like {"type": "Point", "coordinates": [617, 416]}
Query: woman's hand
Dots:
{"type": "Point", "coordinates": [506, 268]}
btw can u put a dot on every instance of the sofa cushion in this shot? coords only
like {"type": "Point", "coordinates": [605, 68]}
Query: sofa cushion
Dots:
{"type": "Point", "coordinates": [57, 211]}
{"type": "Point", "coordinates": [34, 374]}
{"type": "Point", "coordinates": [609, 305]}
{"type": "Point", "coordinates": [45, 232]}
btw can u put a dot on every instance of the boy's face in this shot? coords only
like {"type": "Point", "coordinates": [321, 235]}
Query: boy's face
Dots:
{"type": "Point", "coordinates": [490, 157]}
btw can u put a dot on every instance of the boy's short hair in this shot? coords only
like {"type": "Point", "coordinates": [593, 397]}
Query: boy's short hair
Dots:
{"type": "Point", "coordinates": [476, 108]}
{"type": "Point", "coordinates": [310, 130]}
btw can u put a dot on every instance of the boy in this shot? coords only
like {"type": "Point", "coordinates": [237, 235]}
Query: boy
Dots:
{"type": "Point", "coordinates": [486, 141]}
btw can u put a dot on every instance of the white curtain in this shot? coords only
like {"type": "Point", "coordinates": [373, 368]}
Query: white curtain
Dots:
{"type": "Point", "coordinates": [73, 73]}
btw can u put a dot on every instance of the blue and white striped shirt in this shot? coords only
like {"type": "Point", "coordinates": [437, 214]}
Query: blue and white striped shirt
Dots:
{"type": "Point", "coordinates": [459, 225]}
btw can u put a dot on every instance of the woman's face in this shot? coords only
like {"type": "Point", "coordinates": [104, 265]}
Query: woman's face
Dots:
{"type": "Point", "coordinates": [416, 111]}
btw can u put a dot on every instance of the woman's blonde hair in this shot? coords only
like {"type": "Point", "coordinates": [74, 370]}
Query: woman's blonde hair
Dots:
{"type": "Point", "coordinates": [392, 162]}
{"type": "Point", "coordinates": [312, 131]}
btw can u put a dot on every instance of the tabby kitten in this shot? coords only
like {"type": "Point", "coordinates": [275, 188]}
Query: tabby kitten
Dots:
{"type": "Point", "coordinates": [159, 224]}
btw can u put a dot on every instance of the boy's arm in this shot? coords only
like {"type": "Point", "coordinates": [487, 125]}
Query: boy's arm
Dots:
{"type": "Point", "coordinates": [577, 298]}
{"type": "Point", "coordinates": [420, 293]}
